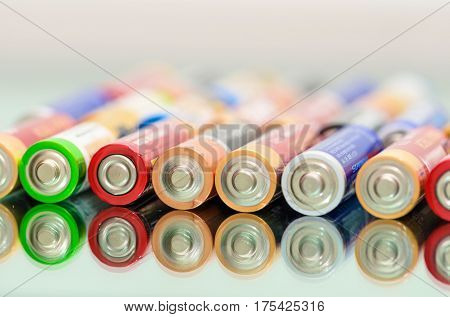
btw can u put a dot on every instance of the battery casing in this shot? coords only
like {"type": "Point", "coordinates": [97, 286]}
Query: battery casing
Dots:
{"type": "Point", "coordinates": [405, 167]}
{"type": "Point", "coordinates": [142, 147]}
{"type": "Point", "coordinates": [435, 190]}
{"type": "Point", "coordinates": [334, 164]}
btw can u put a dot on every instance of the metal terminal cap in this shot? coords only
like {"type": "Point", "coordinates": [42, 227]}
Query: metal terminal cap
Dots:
{"type": "Point", "coordinates": [48, 172]}
{"type": "Point", "coordinates": [117, 240]}
{"type": "Point", "coordinates": [117, 174]}
{"type": "Point", "coordinates": [314, 183]}
{"type": "Point", "coordinates": [386, 186]}
{"type": "Point", "coordinates": [7, 233]}
{"type": "Point", "coordinates": [443, 258]}
{"type": "Point", "coordinates": [48, 235]}
{"type": "Point", "coordinates": [245, 180]}
{"type": "Point", "coordinates": [7, 167]}
{"type": "Point", "coordinates": [182, 178]}
{"type": "Point", "coordinates": [443, 190]}
{"type": "Point", "coordinates": [182, 244]}
{"type": "Point", "coordinates": [385, 251]}
{"type": "Point", "coordinates": [244, 246]}
{"type": "Point", "coordinates": [313, 247]}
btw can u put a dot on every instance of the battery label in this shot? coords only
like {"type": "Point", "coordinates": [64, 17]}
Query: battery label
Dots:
{"type": "Point", "coordinates": [42, 127]}
{"type": "Point", "coordinates": [426, 143]}
{"type": "Point", "coordinates": [352, 146]}
{"type": "Point", "coordinates": [88, 137]}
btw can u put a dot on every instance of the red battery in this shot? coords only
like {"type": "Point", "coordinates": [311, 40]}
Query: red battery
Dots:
{"type": "Point", "coordinates": [438, 187]}
{"type": "Point", "coordinates": [120, 173]}
{"type": "Point", "coordinates": [437, 249]}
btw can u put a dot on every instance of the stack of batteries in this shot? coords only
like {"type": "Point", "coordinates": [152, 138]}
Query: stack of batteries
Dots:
{"type": "Point", "coordinates": [241, 167]}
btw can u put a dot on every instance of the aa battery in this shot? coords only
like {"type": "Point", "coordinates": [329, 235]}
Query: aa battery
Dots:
{"type": "Point", "coordinates": [119, 236]}
{"type": "Point", "coordinates": [317, 180]}
{"type": "Point", "coordinates": [314, 247]}
{"type": "Point", "coordinates": [437, 253]}
{"type": "Point", "coordinates": [246, 244]}
{"type": "Point", "coordinates": [12, 210]}
{"type": "Point", "coordinates": [388, 250]}
{"type": "Point", "coordinates": [55, 169]}
{"type": "Point", "coordinates": [183, 241]}
{"type": "Point", "coordinates": [52, 233]}
{"type": "Point", "coordinates": [390, 184]}
{"type": "Point", "coordinates": [120, 172]}
{"type": "Point", "coordinates": [248, 178]}
{"type": "Point", "coordinates": [183, 176]}
{"type": "Point", "coordinates": [437, 190]}
{"type": "Point", "coordinates": [14, 143]}
{"type": "Point", "coordinates": [420, 114]}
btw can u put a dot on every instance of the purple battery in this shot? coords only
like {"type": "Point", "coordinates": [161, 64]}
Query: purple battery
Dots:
{"type": "Point", "coordinates": [421, 114]}
{"type": "Point", "coordinates": [316, 181]}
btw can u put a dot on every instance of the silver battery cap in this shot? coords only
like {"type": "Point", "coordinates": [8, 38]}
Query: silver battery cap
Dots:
{"type": "Point", "coordinates": [182, 242]}
{"type": "Point", "coordinates": [245, 245]}
{"type": "Point", "coordinates": [7, 170]}
{"type": "Point", "coordinates": [312, 247]}
{"type": "Point", "coordinates": [245, 181]}
{"type": "Point", "coordinates": [117, 174]}
{"type": "Point", "coordinates": [48, 172]}
{"type": "Point", "coordinates": [182, 178]}
{"type": "Point", "coordinates": [385, 187]}
{"type": "Point", "coordinates": [48, 235]}
{"type": "Point", "coordinates": [8, 233]}
{"type": "Point", "coordinates": [386, 250]}
{"type": "Point", "coordinates": [314, 183]}
{"type": "Point", "coordinates": [443, 190]}
{"type": "Point", "coordinates": [442, 258]}
{"type": "Point", "coordinates": [117, 240]}
{"type": "Point", "coordinates": [392, 137]}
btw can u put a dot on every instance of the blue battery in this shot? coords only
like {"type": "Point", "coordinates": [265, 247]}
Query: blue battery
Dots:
{"type": "Point", "coordinates": [80, 104]}
{"type": "Point", "coordinates": [419, 115]}
{"type": "Point", "coordinates": [313, 247]}
{"type": "Point", "coordinates": [318, 180]}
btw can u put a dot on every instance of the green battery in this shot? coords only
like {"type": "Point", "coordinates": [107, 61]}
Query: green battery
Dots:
{"type": "Point", "coordinates": [55, 169]}
{"type": "Point", "coordinates": [52, 233]}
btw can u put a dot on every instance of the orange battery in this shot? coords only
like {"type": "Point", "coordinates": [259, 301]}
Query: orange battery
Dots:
{"type": "Point", "coordinates": [391, 183]}
{"type": "Point", "coordinates": [183, 176]}
{"type": "Point", "coordinates": [248, 178]}
{"type": "Point", "coordinates": [183, 241]}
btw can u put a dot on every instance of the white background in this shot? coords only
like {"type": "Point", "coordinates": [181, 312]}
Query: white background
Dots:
{"type": "Point", "coordinates": [305, 40]}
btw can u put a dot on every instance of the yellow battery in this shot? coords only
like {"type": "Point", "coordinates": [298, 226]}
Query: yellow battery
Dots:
{"type": "Point", "coordinates": [390, 184]}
